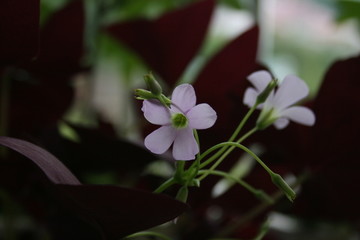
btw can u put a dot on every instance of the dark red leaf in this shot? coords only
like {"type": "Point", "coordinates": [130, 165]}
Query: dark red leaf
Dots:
{"type": "Point", "coordinates": [98, 152]}
{"type": "Point", "coordinates": [61, 43]}
{"type": "Point", "coordinates": [170, 42]}
{"type": "Point", "coordinates": [335, 150]}
{"type": "Point", "coordinates": [222, 83]}
{"type": "Point", "coordinates": [116, 211]}
{"type": "Point", "coordinates": [121, 211]}
{"type": "Point", "coordinates": [19, 30]}
{"type": "Point", "coordinates": [35, 106]}
{"type": "Point", "coordinates": [50, 165]}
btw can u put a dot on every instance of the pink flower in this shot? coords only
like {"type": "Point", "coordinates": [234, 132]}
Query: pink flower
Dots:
{"type": "Point", "coordinates": [177, 123]}
{"type": "Point", "coordinates": [278, 108]}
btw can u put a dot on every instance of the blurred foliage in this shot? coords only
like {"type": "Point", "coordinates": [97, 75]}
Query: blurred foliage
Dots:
{"type": "Point", "coordinates": [348, 9]}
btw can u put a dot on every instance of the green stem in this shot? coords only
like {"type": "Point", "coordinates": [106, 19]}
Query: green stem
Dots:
{"type": "Point", "coordinates": [231, 139]}
{"type": "Point", "coordinates": [168, 183]}
{"type": "Point", "coordinates": [178, 176]}
{"type": "Point", "coordinates": [196, 135]}
{"type": "Point", "coordinates": [217, 163]}
{"type": "Point", "coordinates": [242, 123]}
{"type": "Point", "coordinates": [257, 192]}
{"type": "Point", "coordinates": [251, 153]}
{"type": "Point", "coordinates": [148, 233]}
{"type": "Point", "coordinates": [254, 212]}
{"type": "Point", "coordinates": [216, 155]}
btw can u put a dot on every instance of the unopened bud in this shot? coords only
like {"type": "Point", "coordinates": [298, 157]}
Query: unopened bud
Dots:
{"type": "Point", "coordinates": [142, 94]}
{"type": "Point", "coordinates": [283, 186]}
{"type": "Point", "coordinates": [152, 84]}
{"type": "Point", "coordinates": [264, 94]}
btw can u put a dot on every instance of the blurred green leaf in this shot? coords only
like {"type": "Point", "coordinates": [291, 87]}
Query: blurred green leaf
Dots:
{"type": "Point", "coordinates": [348, 9]}
{"type": "Point", "coordinates": [129, 9]}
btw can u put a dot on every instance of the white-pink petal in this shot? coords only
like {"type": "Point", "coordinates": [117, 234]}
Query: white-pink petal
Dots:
{"type": "Point", "coordinates": [156, 113]}
{"type": "Point", "coordinates": [299, 114]}
{"type": "Point", "coordinates": [260, 80]}
{"type": "Point", "coordinates": [184, 97]}
{"type": "Point", "coordinates": [290, 91]}
{"type": "Point", "coordinates": [160, 140]}
{"type": "Point", "coordinates": [185, 146]}
{"type": "Point", "coordinates": [250, 97]}
{"type": "Point", "coordinates": [281, 123]}
{"type": "Point", "coordinates": [201, 116]}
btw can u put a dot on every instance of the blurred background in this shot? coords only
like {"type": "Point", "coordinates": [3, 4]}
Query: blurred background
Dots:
{"type": "Point", "coordinates": [69, 70]}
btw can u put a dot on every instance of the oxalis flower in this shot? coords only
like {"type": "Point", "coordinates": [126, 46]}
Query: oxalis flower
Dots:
{"type": "Point", "coordinates": [177, 123]}
{"type": "Point", "coordinates": [278, 108]}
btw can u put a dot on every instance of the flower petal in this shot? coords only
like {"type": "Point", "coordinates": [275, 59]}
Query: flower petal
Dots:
{"type": "Point", "coordinates": [299, 114]}
{"type": "Point", "coordinates": [185, 146]}
{"type": "Point", "coordinates": [291, 90]}
{"type": "Point", "coordinates": [160, 140]}
{"type": "Point", "coordinates": [281, 123]}
{"type": "Point", "coordinates": [250, 97]}
{"type": "Point", "coordinates": [156, 113]}
{"type": "Point", "coordinates": [184, 97]}
{"type": "Point", "coordinates": [260, 80]}
{"type": "Point", "coordinates": [201, 116]}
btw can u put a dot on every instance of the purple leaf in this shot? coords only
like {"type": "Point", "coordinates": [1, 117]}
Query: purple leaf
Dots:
{"type": "Point", "coordinates": [121, 211]}
{"type": "Point", "coordinates": [50, 165]}
{"type": "Point", "coordinates": [97, 151]}
{"type": "Point", "coordinates": [116, 211]}
{"type": "Point", "coordinates": [19, 30]}
{"type": "Point", "coordinates": [170, 42]}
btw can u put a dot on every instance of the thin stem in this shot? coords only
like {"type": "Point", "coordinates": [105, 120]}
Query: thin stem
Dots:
{"type": "Point", "coordinates": [263, 231]}
{"type": "Point", "coordinates": [257, 192]}
{"type": "Point", "coordinates": [196, 135]}
{"type": "Point", "coordinates": [148, 233]}
{"type": "Point", "coordinates": [168, 183]}
{"type": "Point", "coordinates": [217, 163]}
{"type": "Point", "coordinates": [216, 155]}
{"type": "Point", "coordinates": [254, 212]}
{"type": "Point", "coordinates": [242, 123]}
{"type": "Point", "coordinates": [236, 132]}
{"type": "Point", "coordinates": [251, 153]}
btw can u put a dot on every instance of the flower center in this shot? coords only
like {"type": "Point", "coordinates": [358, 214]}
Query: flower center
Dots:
{"type": "Point", "coordinates": [179, 120]}
{"type": "Point", "coordinates": [266, 118]}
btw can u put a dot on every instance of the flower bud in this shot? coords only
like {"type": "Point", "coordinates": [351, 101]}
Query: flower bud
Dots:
{"type": "Point", "coordinates": [152, 84]}
{"type": "Point", "coordinates": [142, 94]}
{"type": "Point", "coordinates": [264, 94]}
{"type": "Point", "coordinates": [281, 184]}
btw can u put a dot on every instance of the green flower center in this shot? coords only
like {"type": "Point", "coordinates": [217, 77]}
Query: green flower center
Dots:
{"type": "Point", "coordinates": [179, 120]}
